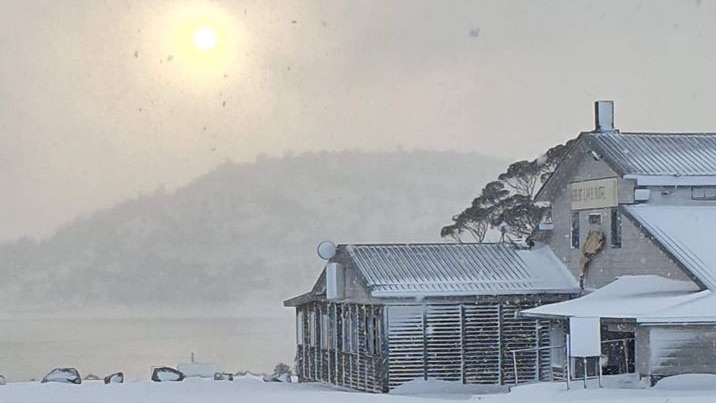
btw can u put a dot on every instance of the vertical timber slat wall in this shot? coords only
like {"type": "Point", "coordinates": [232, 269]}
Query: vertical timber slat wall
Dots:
{"type": "Point", "coordinates": [482, 344]}
{"type": "Point", "coordinates": [518, 334]}
{"type": "Point", "coordinates": [340, 345]}
{"type": "Point", "coordinates": [545, 355]}
{"type": "Point", "coordinates": [472, 343]}
{"type": "Point", "coordinates": [443, 345]}
{"type": "Point", "coordinates": [524, 335]}
{"type": "Point", "coordinates": [376, 348]}
{"type": "Point", "coordinates": [405, 344]}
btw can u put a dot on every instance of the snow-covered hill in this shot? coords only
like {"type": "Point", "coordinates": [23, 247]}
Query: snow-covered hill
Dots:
{"type": "Point", "coordinates": [242, 234]}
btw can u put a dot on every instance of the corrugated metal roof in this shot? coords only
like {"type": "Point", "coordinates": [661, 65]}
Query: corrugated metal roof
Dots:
{"type": "Point", "coordinates": [658, 154]}
{"type": "Point", "coordinates": [685, 232]}
{"type": "Point", "coordinates": [460, 269]}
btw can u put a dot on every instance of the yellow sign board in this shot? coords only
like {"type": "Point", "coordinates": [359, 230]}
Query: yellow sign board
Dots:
{"type": "Point", "coordinates": [594, 194]}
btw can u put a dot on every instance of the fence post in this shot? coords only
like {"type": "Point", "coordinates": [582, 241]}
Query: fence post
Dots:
{"type": "Point", "coordinates": [514, 366]}
{"type": "Point", "coordinates": [568, 360]}
{"type": "Point", "coordinates": [584, 370]}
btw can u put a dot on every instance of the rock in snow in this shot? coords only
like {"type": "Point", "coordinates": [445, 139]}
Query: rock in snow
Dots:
{"type": "Point", "coordinates": [63, 375]}
{"type": "Point", "coordinates": [117, 377]}
{"type": "Point", "coordinates": [166, 374]}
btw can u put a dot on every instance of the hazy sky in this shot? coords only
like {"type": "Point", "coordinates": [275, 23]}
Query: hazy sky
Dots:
{"type": "Point", "coordinates": [102, 100]}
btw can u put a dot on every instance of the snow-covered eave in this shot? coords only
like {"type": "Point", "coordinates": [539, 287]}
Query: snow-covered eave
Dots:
{"type": "Point", "coordinates": [625, 318]}
{"type": "Point", "coordinates": [641, 321]}
{"type": "Point", "coordinates": [678, 321]}
{"type": "Point", "coordinates": [490, 293]}
{"type": "Point", "coordinates": [300, 299]}
{"type": "Point", "coordinates": [673, 180]}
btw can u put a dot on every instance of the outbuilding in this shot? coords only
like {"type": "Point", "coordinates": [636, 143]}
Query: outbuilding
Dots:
{"type": "Point", "coordinates": [384, 314]}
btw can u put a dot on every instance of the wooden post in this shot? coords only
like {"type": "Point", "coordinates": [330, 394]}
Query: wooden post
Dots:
{"type": "Point", "coordinates": [425, 345]}
{"type": "Point", "coordinates": [537, 351]}
{"type": "Point", "coordinates": [500, 374]}
{"type": "Point", "coordinates": [462, 343]}
{"type": "Point", "coordinates": [366, 338]}
{"type": "Point", "coordinates": [568, 359]}
{"type": "Point", "coordinates": [384, 348]}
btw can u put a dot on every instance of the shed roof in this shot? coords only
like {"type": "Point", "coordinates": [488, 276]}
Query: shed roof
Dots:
{"type": "Point", "coordinates": [679, 154]}
{"type": "Point", "coordinates": [644, 299]}
{"type": "Point", "coordinates": [413, 270]}
{"type": "Point", "coordinates": [686, 233]}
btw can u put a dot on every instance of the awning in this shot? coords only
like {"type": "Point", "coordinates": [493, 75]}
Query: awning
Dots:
{"type": "Point", "coordinates": [642, 299]}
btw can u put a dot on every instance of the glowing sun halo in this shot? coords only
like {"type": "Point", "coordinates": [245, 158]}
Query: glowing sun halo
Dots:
{"type": "Point", "coordinates": [205, 38]}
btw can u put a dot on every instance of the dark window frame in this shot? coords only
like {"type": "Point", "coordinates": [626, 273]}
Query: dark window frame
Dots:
{"type": "Point", "coordinates": [574, 234]}
{"type": "Point", "coordinates": [703, 189]}
{"type": "Point", "coordinates": [616, 228]}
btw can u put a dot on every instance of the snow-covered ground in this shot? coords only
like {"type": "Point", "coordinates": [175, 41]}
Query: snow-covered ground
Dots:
{"type": "Point", "coordinates": [686, 389]}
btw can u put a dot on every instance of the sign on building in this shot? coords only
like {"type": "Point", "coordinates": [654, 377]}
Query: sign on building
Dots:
{"type": "Point", "coordinates": [593, 194]}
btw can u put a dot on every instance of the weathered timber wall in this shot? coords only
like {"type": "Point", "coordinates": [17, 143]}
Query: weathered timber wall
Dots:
{"type": "Point", "coordinates": [472, 343]}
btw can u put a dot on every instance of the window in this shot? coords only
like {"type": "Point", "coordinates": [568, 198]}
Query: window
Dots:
{"type": "Point", "coordinates": [595, 219]}
{"type": "Point", "coordinates": [372, 331]}
{"type": "Point", "coordinates": [575, 230]}
{"type": "Point", "coordinates": [312, 328]}
{"type": "Point", "coordinates": [354, 333]}
{"type": "Point", "coordinates": [616, 229]}
{"type": "Point", "coordinates": [346, 331]}
{"type": "Point", "coordinates": [703, 193]}
{"type": "Point", "coordinates": [350, 331]}
{"type": "Point", "coordinates": [332, 328]}
{"type": "Point", "coordinates": [325, 331]}
{"type": "Point", "coordinates": [338, 337]}
{"type": "Point", "coordinates": [557, 340]}
{"type": "Point", "coordinates": [299, 328]}
{"type": "Point", "coordinates": [368, 332]}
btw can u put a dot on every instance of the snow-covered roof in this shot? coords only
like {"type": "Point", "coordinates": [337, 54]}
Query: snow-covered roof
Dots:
{"type": "Point", "coordinates": [645, 299]}
{"type": "Point", "coordinates": [653, 159]}
{"type": "Point", "coordinates": [686, 233]}
{"type": "Point", "coordinates": [413, 270]}
{"type": "Point", "coordinates": [657, 153]}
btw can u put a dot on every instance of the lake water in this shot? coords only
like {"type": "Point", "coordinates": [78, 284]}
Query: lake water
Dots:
{"type": "Point", "coordinates": [30, 347]}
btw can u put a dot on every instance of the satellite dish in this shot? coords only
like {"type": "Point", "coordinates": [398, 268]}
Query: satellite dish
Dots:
{"type": "Point", "coordinates": [326, 250]}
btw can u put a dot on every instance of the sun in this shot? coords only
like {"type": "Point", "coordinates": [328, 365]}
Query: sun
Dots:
{"type": "Point", "coordinates": [205, 38]}
{"type": "Point", "coordinates": [201, 44]}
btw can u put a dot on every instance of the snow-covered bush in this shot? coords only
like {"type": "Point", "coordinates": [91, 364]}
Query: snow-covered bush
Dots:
{"type": "Point", "coordinates": [282, 373]}
{"type": "Point", "coordinates": [63, 375]}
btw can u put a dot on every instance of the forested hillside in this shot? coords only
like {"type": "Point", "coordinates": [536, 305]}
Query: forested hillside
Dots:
{"type": "Point", "coordinates": [244, 232]}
